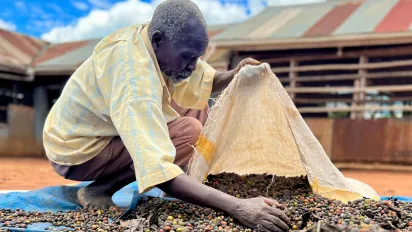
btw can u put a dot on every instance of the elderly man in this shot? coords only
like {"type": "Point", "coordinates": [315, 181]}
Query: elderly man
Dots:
{"type": "Point", "coordinates": [131, 111]}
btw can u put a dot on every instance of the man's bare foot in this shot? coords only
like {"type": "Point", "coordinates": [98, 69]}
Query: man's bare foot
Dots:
{"type": "Point", "coordinates": [93, 197]}
{"type": "Point", "coordinates": [98, 195]}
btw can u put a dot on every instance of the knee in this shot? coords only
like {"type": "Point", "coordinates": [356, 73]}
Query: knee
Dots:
{"type": "Point", "coordinates": [194, 128]}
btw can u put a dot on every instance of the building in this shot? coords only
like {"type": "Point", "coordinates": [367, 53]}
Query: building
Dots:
{"type": "Point", "coordinates": [342, 61]}
{"type": "Point", "coordinates": [342, 58]}
{"type": "Point", "coordinates": [19, 93]}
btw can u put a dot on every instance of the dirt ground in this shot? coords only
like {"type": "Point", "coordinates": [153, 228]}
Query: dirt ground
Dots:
{"type": "Point", "coordinates": [31, 173]}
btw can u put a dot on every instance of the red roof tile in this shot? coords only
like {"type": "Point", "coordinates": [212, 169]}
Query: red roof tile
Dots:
{"type": "Point", "coordinates": [398, 19]}
{"type": "Point", "coordinates": [58, 50]}
{"type": "Point", "coordinates": [333, 19]}
{"type": "Point", "coordinates": [18, 51]}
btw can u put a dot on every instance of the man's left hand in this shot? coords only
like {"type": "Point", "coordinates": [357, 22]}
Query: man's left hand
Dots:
{"type": "Point", "coordinates": [247, 61]}
{"type": "Point", "coordinates": [222, 79]}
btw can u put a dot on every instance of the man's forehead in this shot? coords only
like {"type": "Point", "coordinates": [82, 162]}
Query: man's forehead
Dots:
{"type": "Point", "coordinates": [198, 44]}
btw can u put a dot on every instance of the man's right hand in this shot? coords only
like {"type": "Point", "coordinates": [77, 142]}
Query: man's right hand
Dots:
{"type": "Point", "coordinates": [249, 212]}
{"type": "Point", "coordinates": [261, 212]}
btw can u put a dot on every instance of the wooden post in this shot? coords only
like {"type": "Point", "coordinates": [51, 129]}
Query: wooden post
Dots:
{"type": "Point", "coordinates": [41, 106]}
{"type": "Point", "coordinates": [358, 97]}
{"type": "Point", "coordinates": [14, 93]}
{"type": "Point", "coordinates": [355, 99]}
{"type": "Point", "coordinates": [292, 77]}
{"type": "Point", "coordinates": [380, 88]}
{"type": "Point", "coordinates": [362, 82]}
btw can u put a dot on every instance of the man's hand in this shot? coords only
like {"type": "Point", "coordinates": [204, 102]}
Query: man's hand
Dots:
{"type": "Point", "coordinates": [222, 79]}
{"type": "Point", "coordinates": [249, 212]}
{"type": "Point", "coordinates": [261, 213]}
{"type": "Point", "coordinates": [247, 61]}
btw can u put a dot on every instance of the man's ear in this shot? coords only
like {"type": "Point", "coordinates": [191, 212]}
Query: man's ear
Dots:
{"type": "Point", "coordinates": [157, 39]}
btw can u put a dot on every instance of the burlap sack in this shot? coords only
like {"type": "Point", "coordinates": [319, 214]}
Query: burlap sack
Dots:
{"type": "Point", "coordinates": [255, 128]}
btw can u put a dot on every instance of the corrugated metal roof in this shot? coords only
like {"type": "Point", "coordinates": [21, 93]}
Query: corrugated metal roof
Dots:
{"type": "Point", "coordinates": [243, 29]}
{"type": "Point", "coordinates": [367, 17]}
{"type": "Point", "coordinates": [398, 19]}
{"type": "Point", "coordinates": [65, 58]}
{"type": "Point", "coordinates": [58, 50]}
{"type": "Point", "coordinates": [302, 22]}
{"type": "Point", "coordinates": [18, 51]}
{"type": "Point", "coordinates": [272, 25]}
{"type": "Point", "coordinates": [216, 29]}
{"type": "Point", "coordinates": [333, 19]}
{"type": "Point", "coordinates": [330, 18]}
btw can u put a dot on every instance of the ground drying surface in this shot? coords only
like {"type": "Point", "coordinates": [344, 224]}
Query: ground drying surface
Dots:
{"type": "Point", "coordinates": [307, 211]}
{"type": "Point", "coordinates": [30, 173]}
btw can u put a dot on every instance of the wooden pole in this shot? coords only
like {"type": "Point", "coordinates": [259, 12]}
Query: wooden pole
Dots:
{"type": "Point", "coordinates": [346, 77]}
{"type": "Point", "coordinates": [339, 77]}
{"type": "Point", "coordinates": [362, 83]}
{"type": "Point", "coordinates": [353, 109]}
{"type": "Point", "coordinates": [292, 77]}
{"type": "Point", "coordinates": [384, 75]}
{"type": "Point", "coordinates": [40, 104]}
{"type": "Point", "coordinates": [349, 100]}
{"type": "Point", "coordinates": [355, 99]}
{"type": "Point", "coordinates": [391, 51]}
{"type": "Point", "coordinates": [337, 67]}
{"type": "Point", "coordinates": [14, 92]}
{"type": "Point", "coordinates": [383, 88]}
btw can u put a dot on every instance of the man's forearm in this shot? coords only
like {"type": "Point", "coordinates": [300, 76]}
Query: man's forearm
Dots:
{"type": "Point", "coordinates": [199, 194]}
{"type": "Point", "coordinates": [221, 80]}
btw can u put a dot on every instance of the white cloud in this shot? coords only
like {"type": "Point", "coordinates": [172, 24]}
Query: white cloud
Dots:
{"type": "Point", "coordinates": [256, 6]}
{"type": "Point", "coordinates": [221, 13]}
{"type": "Point", "coordinates": [7, 25]}
{"type": "Point", "coordinates": [80, 5]}
{"type": "Point", "coordinates": [43, 24]}
{"type": "Point", "coordinates": [56, 8]}
{"type": "Point", "coordinates": [36, 10]}
{"type": "Point", "coordinates": [102, 4]}
{"type": "Point", "coordinates": [20, 5]}
{"type": "Point", "coordinates": [100, 23]}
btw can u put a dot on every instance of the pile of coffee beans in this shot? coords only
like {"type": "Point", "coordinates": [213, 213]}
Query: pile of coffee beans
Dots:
{"type": "Point", "coordinates": [307, 211]}
{"type": "Point", "coordinates": [166, 215]}
{"type": "Point", "coordinates": [259, 185]}
{"type": "Point", "coordinates": [79, 220]}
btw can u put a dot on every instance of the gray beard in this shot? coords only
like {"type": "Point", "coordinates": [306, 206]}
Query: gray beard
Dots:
{"type": "Point", "coordinates": [176, 77]}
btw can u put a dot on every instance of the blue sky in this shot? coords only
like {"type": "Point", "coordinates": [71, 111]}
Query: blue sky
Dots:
{"type": "Point", "coordinates": [35, 17]}
{"type": "Point", "coordinates": [71, 20]}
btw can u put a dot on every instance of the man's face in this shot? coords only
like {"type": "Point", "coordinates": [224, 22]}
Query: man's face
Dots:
{"type": "Point", "coordinates": [178, 60]}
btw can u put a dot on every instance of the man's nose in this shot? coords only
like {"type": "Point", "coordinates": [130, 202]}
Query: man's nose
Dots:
{"type": "Point", "coordinates": [192, 65]}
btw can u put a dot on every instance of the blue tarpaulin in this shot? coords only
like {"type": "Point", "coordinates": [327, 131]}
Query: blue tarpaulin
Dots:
{"type": "Point", "coordinates": [61, 198]}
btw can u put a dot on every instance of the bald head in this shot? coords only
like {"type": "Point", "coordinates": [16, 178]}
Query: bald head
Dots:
{"type": "Point", "coordinates": [172, 17]}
